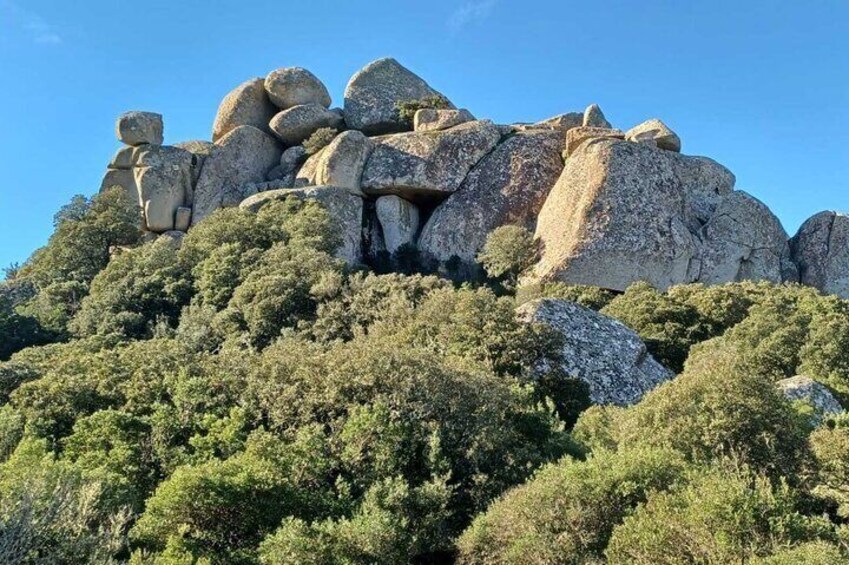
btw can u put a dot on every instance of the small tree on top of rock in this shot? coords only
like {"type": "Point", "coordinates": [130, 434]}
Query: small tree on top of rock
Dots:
{"type": "Point", "coordinates": [319, 139]}
{"type": "Point", "coordinates": [508, 252]}
{"type": "Point", "coordinates": [407, 109]}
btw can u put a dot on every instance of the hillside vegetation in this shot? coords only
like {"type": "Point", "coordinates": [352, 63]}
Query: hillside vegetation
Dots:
{"type": "Point", "coordinates": [240, 396]}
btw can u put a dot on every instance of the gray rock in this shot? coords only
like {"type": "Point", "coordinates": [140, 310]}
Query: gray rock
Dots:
{"type": "Point", "coordinates": [308, 173]}
{"type": "Point", "coordinates": [705, 183]}
{"type": "Point", "coordinates": [399, 220]}
{"type": "Point", "coordinates": [290, 163]}
{"type": "Point", "coordinates": [138, 128]}
{"type": "Point", "coordinates": [341, 162]}
{"type": "Point", "coordinates": [243, 156]}
{"type": "Point", "coordinates": [598, 350]}
{"type": "Point", "coordinates": [563, 122]}
{"type": "Point", "coordinates": [163, 176]}
{"type": "Point", "coordinates": [183, 219]}
{"type": "Point", "coordinates": [594, 117]}
{"type": "Point", "coordinates": [430, 119]}
{"type": "Point", "coordinates": [427, 165]}
{"type": "Point", "coordinates": [123, 178]}
{"type": "Point", "coordinates": [508, 186]}
{"type": "Point", "coordinates": [344, 208]}
{"type": "Point", "coordinates": [294, 86]}
{"type": "Point", "coordinates": [575, 137]}
{"type": "Point", "coordinates": [818, 396]}
{"type": "Point", "coordinates": [125, 158]}
{"type": "Point", "coordinates": [201, 150]}
{"type": "Point", "coordinates": [821, 250]}
{"type": "Point", "coordinates": [656, 131]}
{"type": "Point", "coordinates": [743, 240]}
{"type": "Point", "coordinates": [246, 105]}
{"type": "Point", "coordinates": [372, 95]}
{"type": "Point", "coordinates": [297, 123]}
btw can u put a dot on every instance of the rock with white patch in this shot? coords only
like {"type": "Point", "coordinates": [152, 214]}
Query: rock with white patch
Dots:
{"type": "Point", "coordinates": [399, 220]}
{"type": "Point", "coordinates": [818, 396]}
{"type": "Point", "coordinates": [656, 131]}
{"type": "Point", "coordinates": [432, 119]}
{"type": "Point", "coordinates": [295, 124]}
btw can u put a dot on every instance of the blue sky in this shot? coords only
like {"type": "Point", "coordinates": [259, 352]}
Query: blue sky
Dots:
{"type": "Point", "coordinates": [762, 87]}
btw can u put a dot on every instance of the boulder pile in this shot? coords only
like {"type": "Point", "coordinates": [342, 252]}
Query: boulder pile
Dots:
{"type": "Point", "coordinates": [399, 166]}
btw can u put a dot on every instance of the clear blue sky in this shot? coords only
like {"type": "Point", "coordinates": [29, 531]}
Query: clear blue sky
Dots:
{"type": "Point", "coordinates": [763, 87]}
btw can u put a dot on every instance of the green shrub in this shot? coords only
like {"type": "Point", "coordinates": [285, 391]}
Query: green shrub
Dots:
{"type": "Point", "coordinates": [319, 139]}
{"type": "Point", "coordinates": [508, 252]}
{"type": "Point", "coordinates": [407, 109]}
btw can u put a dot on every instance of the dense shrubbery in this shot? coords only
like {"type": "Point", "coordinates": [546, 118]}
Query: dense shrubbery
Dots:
{"type": "Point", "coordinates": [247, 398]}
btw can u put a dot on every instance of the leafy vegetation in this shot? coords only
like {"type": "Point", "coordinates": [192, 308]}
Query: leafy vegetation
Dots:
{"type": "Point", "coordinates": [243, 397]}
{"type": "Point", "coordinates": [319, 139]}
{"type": "Point", "coordinates": [407, 109]}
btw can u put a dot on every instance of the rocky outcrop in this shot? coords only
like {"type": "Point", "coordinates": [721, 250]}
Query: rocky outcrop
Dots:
{"type": "Point", "coordinates": [373, 94]}
{"type": "Point", "coordinates": [815, 394]}
{"type": "Point", "coordinates": [508, 186]}
{"type": "Point", "coordinates": [246, 105]}
{"type": "Point", "coordinates": [563, 122]}
{"type": "Point", "coordinates": [201, 150]}
{"type": "Point", "coordinates": [576, 137]}
{"type": "Point", "coordinates": [294, 86]}
{"type": "Point", "coordinates": [399, 221]}
{"type": "Point", "coordinates": [243, 156]}
{"type": "Point", "coordinates": [139, 128]}
{"type": "Point", "coordinates": [344, 208]}
{"type": "Point", "coordinates": [423, 166]}
{"type": "Point", "coordinates": [821, 250]}
{"type": "Point", "coordinates": [163, 176]}
{"type": "Point", "coordinates": [605, 354]}
{"type": "Point", "coordinates": [295, 124]}
{"type": "Point", "coordinates": [431, 119]}
{"type": "Point", "coordinates": [656, 132]}
{"type": "Point", "coordinates": [594, 118]}
{"type": "Point", "coordinates": [623, 212]}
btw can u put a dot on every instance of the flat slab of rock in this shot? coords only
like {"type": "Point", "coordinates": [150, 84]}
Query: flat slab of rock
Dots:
{"type": "Point", "coordinates": [426, 165]}
{"type": "Point", "coordinates": [372, 95]}
{"type": "Point", "coordinates": [508, 186]}
{"type": "Point", "coordinates": [163, 176]}
{"type": "Point", "coordinates": [242, 157]}
{"type": "Point", "coordinates": [576, 137]}
{"type": "Point", "coordinates": [808, 390]}
{"type": "Point", "coordinates": [431, 119]}
{"type": "Point", "coordinates": [139, 128]}
{"type": "Point", "coordinates": [821, 250]}
{"type": "Point", "coordinates": [295, 124]}
{"type": "Point", "coordinates": [246, 105]}
{"type": "Point", "coordinates": [345, 209]}
{"type": "Point", "coordinates": [656, 131]}
{"type": "Point", "coordinates": [294, 86]}
{"type": "Point", "coordinates": [563, 122]}
{"type": "Point", "coordinates": [601, 351]}
{"type": "Point", "coordinates": [399, 221]}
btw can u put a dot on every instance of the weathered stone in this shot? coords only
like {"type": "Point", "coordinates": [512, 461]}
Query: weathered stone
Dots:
{"type": "Point", "coordinates": [183, 219]}
{"type": "Point", "coordinates": [139, 128]}
{"type": "Point", "coordinates": [821, 250]}
{"type": "Point", "coordinates": [201, 150]}
{"type": "Point", "coordinates": [297, 123]}
{"type": "Point", "coordinates": [163, 176]}
{"type": "Point", "coordinates": [125, 158]}
{"type": "Point", "coordinates": [430, 119]}
{"type": "Point", "coordinates": [373, 93]}
{"type": "Point", "coordinates": [743, 240]}
{"type": "Point", "coordinates": [508, 186]}
{"type": "Point", "coordinates": [426, 165]}
{"type": "Point", "coordinates": [243, 156]}
{"type": "Point", "coordinates": [563, 122]}
{"type": "Point", "coordinates": [594, 117]}
{"type": "Point", "coordinates": [576, 137]}
{"type": "Point", "coordinates": [704, 183]}
{"type": "Point", "coordinates": [341, 162]}
{"type": "Point", "coordinates": [308, 173]}
{"type": "Point", "coordinates": [818, 396]}
{"type": "Point", "coordinates": [294, 86]}
{"type": "Point", "coordinates": [290, 163]}
{"type": "Point", "coordinates": [656, 131]}
{"type": "Point", "coordinates": [614, 217]}
{"type": "Point", "coordinates": [399, 220]}
{"type": "Point", "coordinates": [246, 105]}
{"type": "Point", "coordinates": [605, 354]}
{"type": "Point", "coordinates": [123, 178]}
{"type": "Point", "coordinates": [345, 210]}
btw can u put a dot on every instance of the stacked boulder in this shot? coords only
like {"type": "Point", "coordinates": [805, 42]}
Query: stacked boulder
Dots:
{"type": "Point", "coordinates": [400, 166]}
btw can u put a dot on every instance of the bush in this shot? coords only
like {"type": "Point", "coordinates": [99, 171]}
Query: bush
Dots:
{"type": "Point", "coordinates": [508, 252]}
{"type": "Point", "coordinates": [319, 139]}
{"type": "Point", "coordinates": [407, 109]}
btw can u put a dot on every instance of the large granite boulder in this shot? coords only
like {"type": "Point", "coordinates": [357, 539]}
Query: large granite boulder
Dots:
{"type": "Point", "coordinates": [297, 123]}
{"type": "Point", "coordinates": [432, 119]}
{"type": "Point", "coordinates": [399, 221]}
{"type": "Point", "coordinates": [373, 93]}
{"type": "Point", "coordinates": [821, 250]}
{"type": "Point", "coordinates": [246, 105]}
{"type": "Point", "coordinates": [341, 163]}
{"type": "Point", "coordinates": [594, 117]}
{"type": "Point", "coordinates": [294, 86]}
{"type": "Point", "coordinates": [243, 156]}
{"type": "Point", "coordinates": [623, 212]}
{"type": "Point", "coordinates": [818, 396]}
{"type": "Point", "coordinates": [508, 186]}
{"type": "Point", "coordinates": [743, 240]}
{"type": "Point", "coordinates": [345, 210]}
{"type": "Point", "coordinates": [608, 356]}
{"type": "Point", "coordinates": [200, 150]}
{"type": "Point", "coordinates": [163, 176]}
{"type": "Point", "coordinates": [657, 132]}
{"type": "Point", "coordinates": [122, 178]}
{"type": "Point", "coordinates": [427, 165]}
{"type": "Point", "coordinates": [139, 128]}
